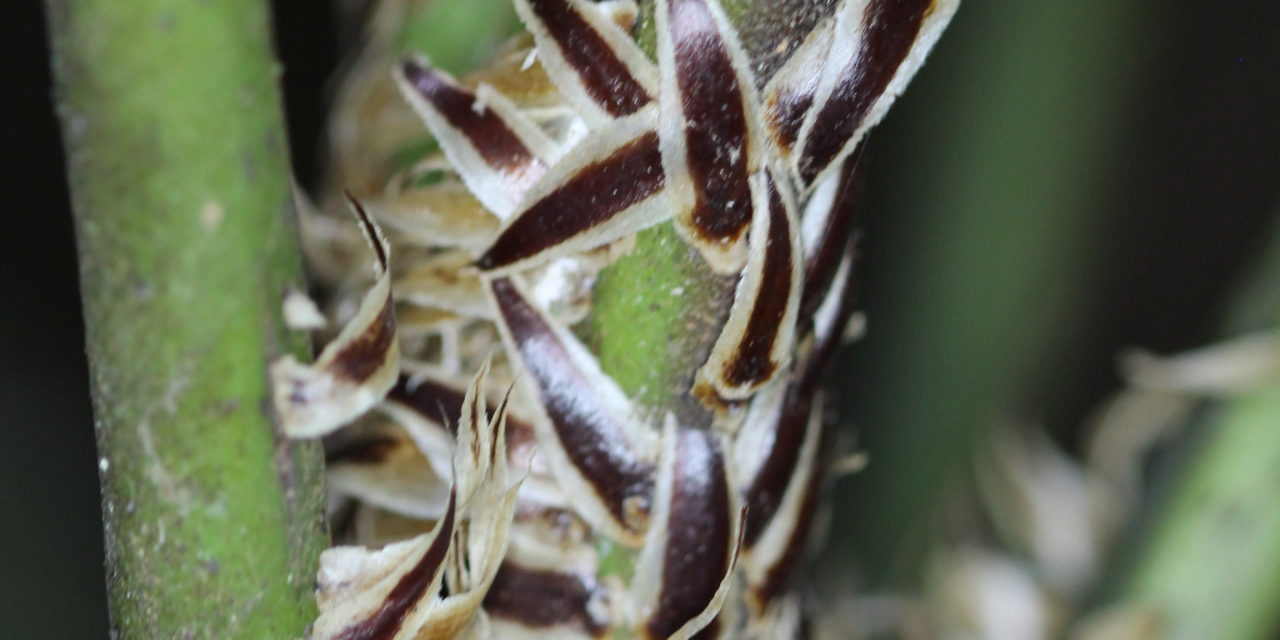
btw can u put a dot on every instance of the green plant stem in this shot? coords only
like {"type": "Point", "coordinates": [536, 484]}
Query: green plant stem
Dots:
{"type": "Point", "coordinates": [654, 318]}
{"type": "Point", "coordinates": [1210, 566]}
{"type": "Point", "coordinates": [655, 311]}
{"type": "Point", "coordinates": [455, 34]}
{"type": "Point", "coordinates": [179, 177]}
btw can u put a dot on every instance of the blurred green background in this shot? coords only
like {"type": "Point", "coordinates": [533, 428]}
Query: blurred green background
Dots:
{"type": "Point", "coordinates": [1062, 180]}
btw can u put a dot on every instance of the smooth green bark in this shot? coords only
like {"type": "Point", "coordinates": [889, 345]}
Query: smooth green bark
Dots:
{"type": "Point", "coordinates": [179, 177]}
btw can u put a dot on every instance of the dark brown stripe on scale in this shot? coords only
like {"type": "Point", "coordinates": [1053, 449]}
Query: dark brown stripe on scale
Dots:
{"type": "Point", "coordinates": [787, 116]}
{"type": "Point", "coordinates": [368, 450]}
{"type": "Point", "coordinates": [715, 127]}
{"type": "Point", "coordinates": [540, 599]}
{"type": "Point", "coordinates": [477, 418]}
{"type": "Point", "coordinates": [436, 402]}
{"type": "Point", "coordinates": [364, 355]}
{"type": "Point", "coordinates": [411, 588]}
{"type": "Point", "coordinates": [778, 578]}
{"type": "Point", "coordinates": [889, 29]}
{"type": "Point", "coordinates": [589, 198]}
{"type": "Point", "coordinates": [443, 404]}
{"type": "Point", "coordinates": [498, 427]}
{"type": "Point", "coordinates": [488, 132]}
{"type": "Point", "coordinates": [790, 102]}
{"type": "Point", "coordinates": [764, 495]}
{"type": "Point", "coordinates": [592, 440]}
{"type": "Point", "coordinates": [815, 367]}
{"type": "Point", "coordinates": [699, 533]}
{"type": "Point", "coordinates": [753, 362]}
{"type": "Point", "coordinates": [371, 233]}
{"type": "Point", "coordinates": [767, 488]}
{"type": "Point", "coordinates": [606, 78]}
{"type": "Point", "coordinates": [821, 266]}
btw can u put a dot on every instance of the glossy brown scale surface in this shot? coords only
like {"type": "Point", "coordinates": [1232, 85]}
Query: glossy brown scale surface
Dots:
{"type": "Point", "coordinates": [765, 493]}
{"type": "Point", "coordinates": [487, 131]}
{"type": "Point", "coordinates": [821, 265]}
{"type": "Point", "coordinates": [437, 402]}
{"type": "Point", "coordinates": [753, 361]}
{"type": "Point", "coordinates": [604, 76]}
{"type": "Point", "coordinates": [778, 579]}
{"type": "Point", "coordinates": [371, 450]}
{"type": "Point", "coordinates": [699, 532]}
{"type": "Point", "coordinates": [770, 483]}
{"type": "Point", "coordinates": [820, 359]}
{"type": "Point", "coordinates": [539, 598]}
{"type": "Point", "coordinates": [889, 30]}
{"type": "Point", "coordinates": [593, 441]}
{"type": "Point", "coordinates": [589, 198]}
{"type": "Point", "coordinates": [788, 115]}
{"type": "Point", "coordinates": [362, 357]}
{"type": "Point", "coordinates": [443, 404]}
{"type": "Point", "coordinates": [715, 127]}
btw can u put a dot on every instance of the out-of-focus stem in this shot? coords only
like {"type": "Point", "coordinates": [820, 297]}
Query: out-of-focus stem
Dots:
{"type": "Point", "coordinates": [1210, 566]}
{"type": "Point", "coordinates": [655, 310]}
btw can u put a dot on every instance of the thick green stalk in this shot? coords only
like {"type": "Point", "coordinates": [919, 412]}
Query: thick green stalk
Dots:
{"type": "Point", "coordinates": [180, 183]}
{"type": "Point", "coordinates": [1210, 566]}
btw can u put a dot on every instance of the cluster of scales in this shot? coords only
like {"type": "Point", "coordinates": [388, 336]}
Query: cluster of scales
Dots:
{"type": "Point", "coordinates": [505, 486]}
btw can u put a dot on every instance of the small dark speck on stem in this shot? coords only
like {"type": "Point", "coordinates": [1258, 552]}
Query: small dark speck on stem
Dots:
{"type": "Point", "coordinates": [250, 165]}
{"type": "Point", "coordinates": [141, 290]}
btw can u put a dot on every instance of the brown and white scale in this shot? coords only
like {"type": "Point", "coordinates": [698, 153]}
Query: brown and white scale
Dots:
{"type": "Point", "coordinates": [494, 482]}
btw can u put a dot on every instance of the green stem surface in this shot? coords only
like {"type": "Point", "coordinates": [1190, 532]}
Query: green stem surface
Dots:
{"type": "Point", "coordinates": [179, 177]}
{"type": "Point", "coordinates": [654, 318]}
{"type": "Point", "coordinates": [656, 311]}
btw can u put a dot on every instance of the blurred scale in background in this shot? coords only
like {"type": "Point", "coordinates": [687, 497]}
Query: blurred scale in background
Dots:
{"type": "Point", "coordinates": [1063, 181]}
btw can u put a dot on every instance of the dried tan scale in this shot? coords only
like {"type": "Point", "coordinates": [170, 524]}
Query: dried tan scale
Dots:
{"type": "Point", "coordinates": [488, 508]}
{"type": "Point", "coordinates": [355, 370]}
{"type": "Point", "coordinates": [384, 467]}
{"type": "Point", "coordinates": [446, 216]}
{"type": "Point", "coordinates": [1025, 559]}
{"type": "Point", "coordinates": [371, 526]}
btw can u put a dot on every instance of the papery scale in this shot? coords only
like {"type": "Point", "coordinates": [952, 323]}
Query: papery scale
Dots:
{"type": "Point", "coordinates": [569, 153]}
